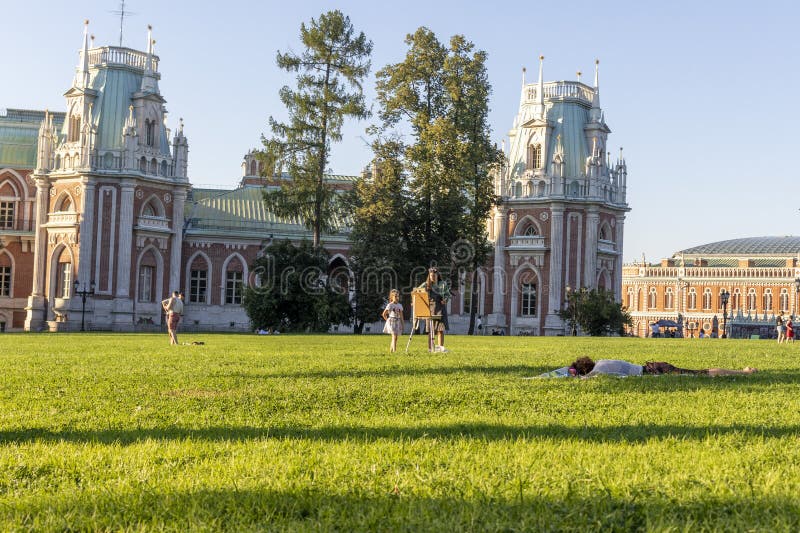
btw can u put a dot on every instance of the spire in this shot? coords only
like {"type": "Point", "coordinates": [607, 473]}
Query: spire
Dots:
{"type": "Point", "coordinates": [540, 96]}
{"type": "Point", "coordinates": [579, 75]}
{"type": "Point", "coordinates": [82, 75]}
{"type": "Point", "coordinates": [596, 115]}
{"type": "Point", "coordinates": [523, 77]}
{"type": "Point", "coordinates": [149, 79]}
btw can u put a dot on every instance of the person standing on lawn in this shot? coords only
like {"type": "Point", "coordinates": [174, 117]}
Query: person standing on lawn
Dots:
{"type": "Point", "coordinates": [393, 315]}
{"type": "Point", "coordinates": [173, 306]}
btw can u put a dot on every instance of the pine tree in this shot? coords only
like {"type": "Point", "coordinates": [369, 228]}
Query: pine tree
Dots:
{"type": "Point", "coordinates": [330, 73]}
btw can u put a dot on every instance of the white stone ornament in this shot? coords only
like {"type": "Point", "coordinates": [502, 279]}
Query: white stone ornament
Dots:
{"type": "Point", "coordinates": [139, 194]}
{"type": "Point", "coordinates": [78, 190]}
{"type": "Point", "coordinates": [52, 191]}
{"type": "Point", "coordinates": [167, 198]}
{"type": "Point", "coordinates": [543, 216]}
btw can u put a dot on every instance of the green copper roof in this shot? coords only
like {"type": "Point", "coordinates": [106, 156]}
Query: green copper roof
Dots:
{"type": "Point", "coordinates": [775, 246]}
{"type": "Point", "coordinates": [239, 210]}
{"type": "Point", "coordinates": [19, 131]}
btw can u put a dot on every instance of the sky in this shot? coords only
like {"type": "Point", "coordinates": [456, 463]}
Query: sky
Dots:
{"type": "Point", "coordinates": [701, 94]}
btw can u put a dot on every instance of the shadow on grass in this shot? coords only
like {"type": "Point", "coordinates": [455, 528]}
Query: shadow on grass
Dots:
{"type": "Point", "coordinates": [513, 370]}
{"type": "Point", "coordinates": [366, 434]}
{"type": "Point", "coordinates": [311, 509]}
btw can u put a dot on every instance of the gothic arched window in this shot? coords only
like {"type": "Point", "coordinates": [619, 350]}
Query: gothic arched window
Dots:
{"type": "Point", "coordinates": [669, 300]}
{"type": "Point", "coordinates": [751, 299]}
{"type": "Point", "coordinates": [707, 299]}
{"type": "Point", "coordinates": [150, 132]}
{"type": "Point", "coordinates": [767, 299]}
{"type": "Point", "coordinates": [527, 293]}
{"type": "Point", "coordinates": [652, 299]}
{"type": "Point", "coordinates": [530, 231]}
{"type": "Point", "coordinates": [736, 299]}
{"type": "Point", "coordinates": [784, 297]}
{"type": "Point", "coordinates": [692, 299]}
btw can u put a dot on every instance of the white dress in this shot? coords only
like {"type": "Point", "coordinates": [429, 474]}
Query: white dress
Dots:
{"type": "Point", "coordinates": [393, 325]}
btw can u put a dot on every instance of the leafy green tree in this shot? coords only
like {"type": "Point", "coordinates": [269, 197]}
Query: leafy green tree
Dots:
{"type": "Point", "coordinates": [330, 73]}
{"type": "Point", "coordinates": [596, 312]}
{"type": "Point", "coordinates": [294, 294]}
{"type": "Point", "coordinates": [379, 253]}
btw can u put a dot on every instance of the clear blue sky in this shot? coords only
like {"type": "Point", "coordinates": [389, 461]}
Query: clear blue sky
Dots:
{"type": "Point", "coordinates": [701, 94]}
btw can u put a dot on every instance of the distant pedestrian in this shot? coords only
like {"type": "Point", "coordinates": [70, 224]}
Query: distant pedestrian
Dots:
{"type": "Point", "coordinates": [780, 327]}
{"type": "Point", "coordinates": [790, 329]}
{"type": "Point", "coordinates": [173, 306]}
{"type": "Point", "coordinates": [479, 324]}
{"type": "Point", "coordinates": [656, 329]}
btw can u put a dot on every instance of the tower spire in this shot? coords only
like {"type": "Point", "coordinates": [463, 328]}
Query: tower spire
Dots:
{"type": "Point", "coordinates": [149, 78]}
{"type": "Point", "coordinates": [82, 76]}
{"type": "Point", "coordinates": [540, 92]}
{"type": "Point", "coordinates": [596, 115]}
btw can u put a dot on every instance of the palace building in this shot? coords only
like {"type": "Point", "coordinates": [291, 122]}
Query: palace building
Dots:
{"type": "Point", "coordinates": [99, 220]}
{"type": "Point", "coordinates": [736, 287]}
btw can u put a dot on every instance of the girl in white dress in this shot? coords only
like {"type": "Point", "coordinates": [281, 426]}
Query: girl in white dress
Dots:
{"type": "Point", "coordinates": [393, 315]}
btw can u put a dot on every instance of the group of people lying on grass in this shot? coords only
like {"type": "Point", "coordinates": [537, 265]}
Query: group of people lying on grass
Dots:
{"type": "Point", "coordinates": [585, 367]}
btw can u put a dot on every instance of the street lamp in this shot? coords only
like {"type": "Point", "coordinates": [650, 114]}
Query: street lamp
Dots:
{"type": "Point", "coordinates": [83, 294]}
{"type": "Point", "coordinates": [682, 284]}
{"type": "Point", "coordinates": [724, 296]}
{"type": "Point", "coordinates": [796, 290]}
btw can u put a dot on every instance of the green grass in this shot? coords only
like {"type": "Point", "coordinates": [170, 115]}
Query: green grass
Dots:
{"type": "Point", "coordinates": [296, 433]}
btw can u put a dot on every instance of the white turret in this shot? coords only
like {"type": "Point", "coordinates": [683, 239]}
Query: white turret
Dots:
{"type": "Point", "coordinates": [149, 82]}
{"type": "Point", "coordinates": [82, 72]}
{"type": "Point", "coordinates": [180, 153]}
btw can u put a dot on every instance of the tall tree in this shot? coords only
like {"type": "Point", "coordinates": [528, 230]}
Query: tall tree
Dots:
{"type": "Point", "coordinates": [330, 73]}
{"type": "Point", "coordinates": [468, 88]}
{"type": "Point", "coordinates": [441, 95]}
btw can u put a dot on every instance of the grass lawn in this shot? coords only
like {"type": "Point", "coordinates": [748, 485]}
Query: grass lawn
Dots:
{"type": "Point", "coordinates": [293, 433]}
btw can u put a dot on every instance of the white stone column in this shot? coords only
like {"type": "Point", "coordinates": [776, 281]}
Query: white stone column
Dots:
{"type": "Point", "coordinates": [590, 250]}
{"type": "Point", "coordinates": [619, 238]}
{"type": "Point", "coordinates": [40, 240]}
{"type": "Point", "coordinates": [36, 310]}
{"type": "Point", "coordinates": [86, 235]}
{"type": "Point", "coordinates": [178, 200]}
{"type": "Point", "coordinates": [553, 323]}
{"type": "Point", "coordinates": [497, 316]}
{"type": "Point", "coordinates": [125, 240]}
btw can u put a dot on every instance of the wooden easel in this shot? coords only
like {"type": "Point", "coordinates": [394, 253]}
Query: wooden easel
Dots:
{"type": "Point", "coordinates": [421, 309]}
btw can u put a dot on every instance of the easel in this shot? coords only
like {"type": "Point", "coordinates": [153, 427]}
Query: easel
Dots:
{"type": "Point", "coordinates": [421, 309]}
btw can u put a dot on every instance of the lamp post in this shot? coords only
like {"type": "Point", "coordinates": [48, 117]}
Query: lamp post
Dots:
{"type": "Point", "coordinates": [83, 294]}
{"type": "Point", "coordinates": [724, 296]}
{"type": "Point", "coordinates": [682, 284]}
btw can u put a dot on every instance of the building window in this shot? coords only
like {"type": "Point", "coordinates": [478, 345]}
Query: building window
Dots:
{"type": "Point", "coordinates": [528, 300]}
{"type": "Point", "coordinates": [707, 299]}
{"type": "Point", "coordinates": [736, 299]}
{"type": "Point", "coordinates": [530, 231]}
{"type": "Point", "coordinates": [692, 299]}
{"type": "Point", "coordinates": [784, 300]}
{"type": "Point", "coordinates": [74, 129]}
{"type": "Point", "coordinates": [198, 285]}
{"type": "Point", "coordinates": [5, 281]}
{"type": "Point", "coordinates": [652, 301]}
{"type": "Point", "coordinates": [669, 299]}
{"type": "Point", "coordinates": [767, 300]}
{"type": "Point", "coordinates": [64, 286]}
{"type": "Point", "coordinates": [630, 297]}
{"type": "Point", "coordinates": [146, 283]}
{"type": "Point", "coordinates": [535, 156]}
{"type": "Point", "coordinates": [150, 132]}
{"type": "Point", "coordinates": [233, 287]}
{"type": "Point", "coordinates": [6, 215]}
{"type": "Point", "coordinates": [751, 299]}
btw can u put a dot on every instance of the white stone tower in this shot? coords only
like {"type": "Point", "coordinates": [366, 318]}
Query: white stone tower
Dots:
{"type": "Point", "coordinates": [110, 195]}
{"type": "Point", "coordinates": [560, 221]}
